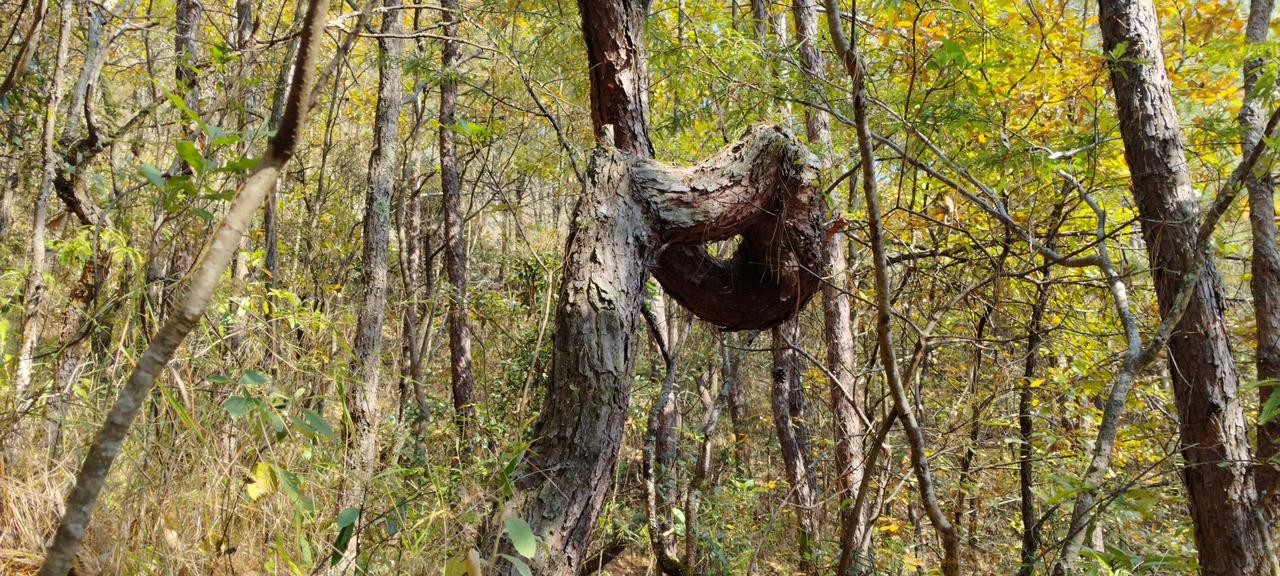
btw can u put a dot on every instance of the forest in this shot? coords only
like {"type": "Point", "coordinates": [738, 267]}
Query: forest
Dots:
{"type": "Point", "coordinates": [639, 287]}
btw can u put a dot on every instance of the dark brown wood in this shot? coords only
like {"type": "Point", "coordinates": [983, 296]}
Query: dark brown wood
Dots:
{"type": "Point", "coordinates": [631, 207]}
{"type": "Point", "coordinates": [455, 251]}
{"type": "Point", "coordinates": [1265, 266]}
{"type": "Point", "coordinates": [1230, 534]}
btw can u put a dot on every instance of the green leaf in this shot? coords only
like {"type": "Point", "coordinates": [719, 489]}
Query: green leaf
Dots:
{"type": "Point", "coordinates": [203, 214]}
{"type": "Point", "coordinates": [340, 544]}
{"type": "Point", "coordinates": [348, 516]}
{"type": "Point", "coordinates": [254, 377]}
{"type": "Point", "coordinates": [1269, 409]}
{"type": "Point", "coordinates": [239, 165]}
{"type": "Point", "coordinates": [238, 406]}
{"type": "Point", "coordinates": [522, 536]}
{"type": "Point", "coordinates": [187, 151]}
{"type": "Point", "coordinates": [153, 175]}
{"type": "Point", "coordinates": [314, 424]}
{"type": "Point", "coordinates": [289, 481]}
{"type": "Point", "coordinates": [518, 564]}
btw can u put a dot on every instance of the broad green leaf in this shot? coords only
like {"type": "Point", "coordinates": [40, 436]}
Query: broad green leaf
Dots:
{"type": "Point", "coordinates": [153, 175]}
{"type": "Point", "coordinates": [189, 154]}
{"type": "Point", "coordinates": [522, 536]}
{"type": "Point", "coordinates": [254, 377]}
{"type": "Point", "coordinates": [289, 482]}
{"type": "Point", "coordinates": [238, 406]}
{"type": "Point", "coordinates": [314, 424]}
{"type": "Point", "coordinates": [519, 565]}
{"type": "Point", "coordinates": [348, 516]}
{"type": "Point", "coordinates": [1270, 409]}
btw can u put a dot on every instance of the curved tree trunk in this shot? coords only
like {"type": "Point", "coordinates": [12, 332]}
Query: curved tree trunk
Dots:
{"type": "Point", "coordinates": [760, 187]}
{"type": "Point", "coordinates": [1230, 534]}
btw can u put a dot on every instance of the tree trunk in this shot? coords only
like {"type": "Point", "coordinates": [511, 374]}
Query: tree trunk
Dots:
{"type": "Point", "coordinates": [362, 391]}
{"type": "Point", "coordinates": [837, 323]}
{"type": "Point", "coordinates": [787, 400]}
{"type": "Point", "coordinates": [761, 187]}
{"type": "Point", "coordinates": [110, 437]}
{"type": "Point", "coordinates": [34, 289]}
{"type": "Point", "coordinates": [903, 406]}
{"type": "Point", "coordinates": [730, 365]}
{"type": "Point", "coordinates": [1265, 281]}
{"type": "Point", "coordinates": [28, 49]}
{"type": "Point", "coordinates": [455, 250]}
{"type": "Point", "coordinates": [1230, 534]}
{"type": "Point", "coordinates": [1026, 450]}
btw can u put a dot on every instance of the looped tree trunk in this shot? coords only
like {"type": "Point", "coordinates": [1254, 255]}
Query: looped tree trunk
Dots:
{"type": "Point", "coordinates": [762, 189]}
{"type": "Point", "coordinates": [632, 207]}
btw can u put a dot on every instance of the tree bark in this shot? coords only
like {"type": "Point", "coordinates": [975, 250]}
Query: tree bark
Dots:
{"type": "Point", "coordinates": [760, 187]}
{"type": "Point", "coordinates": [28, 49]}
{"type": "Point", "coordinates": [837, 322]}
{"type": "Point", "coordinates": [33, 291]}
{"type": "Point", "coordinates": [362, 391]}
{"type": "Point", "coordinates": [455, 251]}
{"type": "Point", "coordinates": [785, 395]}
{"type": "Point", "coordinates": [110, 437]}
{"type": "Point", "coordinates": [1026, 422]}
{"type": "Point", "coordinates": [853, 65]}
{"type": "Point", "coordinates": [1230, 534]}
{"type": "Point", "coordinates": [1265, 266]}
{"type": "Point", "coordinates": [730, 365]}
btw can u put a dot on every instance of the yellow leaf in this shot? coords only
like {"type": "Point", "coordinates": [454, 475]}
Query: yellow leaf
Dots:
{"type": "Point", "coordinates": [912, 561]}
{"type": "Point", "coordinates": [262, 483]}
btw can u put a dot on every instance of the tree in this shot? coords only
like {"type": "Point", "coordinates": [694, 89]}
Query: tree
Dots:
{"type": "Point", "coordinates": [760, 187]}
{"type": "Point", "coordinates": [455, 250]}
{"type": "Point", "coordinates": [33, 316]}
{"type": "Point", "coordinates": [1265, 266]}
{"type": "Point", "coordinates": [106, 445]}
{"type": "Point", "coordinates": [362, 391]}
{"type": "Point", "coordinates": [1230, 534]}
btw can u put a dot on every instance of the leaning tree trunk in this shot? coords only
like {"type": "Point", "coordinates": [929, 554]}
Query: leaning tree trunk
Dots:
{"type": "Point", "coordinates": [1229, 532]}
{"type": "Point", "coordinates": [1265, 281]}
{"type": "Point", "coordinates": [455, 251]}
{"type": "Point", "coordinates": [851, 58]}
{"type": "Point", "coordinates": [362, 391]}
{"type": "Point", "coordinates": [107, 443]}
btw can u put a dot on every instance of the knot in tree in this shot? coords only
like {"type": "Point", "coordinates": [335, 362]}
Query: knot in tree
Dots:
{"type": "Point", "coordinates": [636, 213]}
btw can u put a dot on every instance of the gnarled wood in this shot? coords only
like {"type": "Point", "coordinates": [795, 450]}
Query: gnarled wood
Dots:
{"type": "Point", "coordinates": [761, 188]}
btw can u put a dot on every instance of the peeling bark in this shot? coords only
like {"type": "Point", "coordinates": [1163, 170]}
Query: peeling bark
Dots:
{"type": "Point", "coordinates": [631, 207]}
